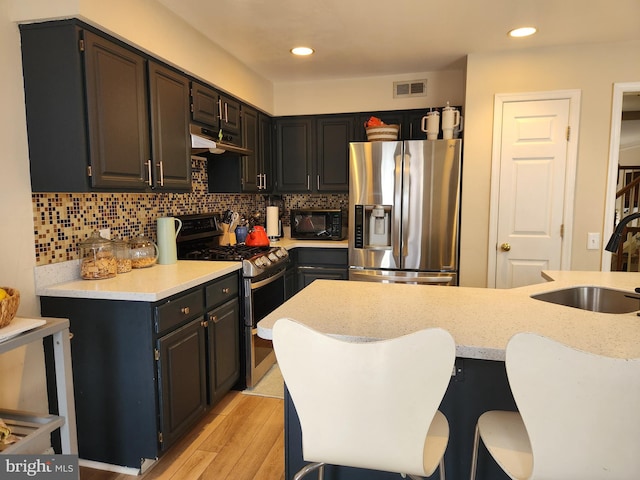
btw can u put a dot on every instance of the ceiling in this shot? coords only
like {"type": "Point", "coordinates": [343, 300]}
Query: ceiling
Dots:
{"type": "Point", "coordinates": [359, 38]}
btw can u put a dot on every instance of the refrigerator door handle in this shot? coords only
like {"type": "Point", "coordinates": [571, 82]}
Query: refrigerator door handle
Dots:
{"type": "Point", "coordinates": [406, 201]}
{"type": "Point", "coordinates": [375, 277]}
{"type": "Point", "coordinates": [398, 209]}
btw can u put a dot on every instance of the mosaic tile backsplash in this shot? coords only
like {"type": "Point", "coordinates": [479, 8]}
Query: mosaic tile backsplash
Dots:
{"type": "Point", "coordinates": [62, 220]}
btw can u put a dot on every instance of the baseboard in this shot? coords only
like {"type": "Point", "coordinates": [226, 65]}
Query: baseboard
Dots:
{"type": "Point", "coordinates": [117, 468]}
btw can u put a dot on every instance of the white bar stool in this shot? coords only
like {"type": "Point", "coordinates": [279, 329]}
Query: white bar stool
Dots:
{"type": "Point", "coordinates": [579, 415]}
{"type": "Point", "coordinates": [371, 405]}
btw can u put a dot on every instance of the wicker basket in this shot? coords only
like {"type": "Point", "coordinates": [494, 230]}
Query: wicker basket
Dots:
{"type": "Point", "coordinates": [382, 133]}
{"type": "Point", "coordinates": [9, 306]}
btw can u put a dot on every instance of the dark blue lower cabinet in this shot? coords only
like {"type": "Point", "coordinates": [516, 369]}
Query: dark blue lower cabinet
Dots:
{"type": "Point", "coordinates": [478, 386]}
{"type": "Point", "coordinates": [145, 372]}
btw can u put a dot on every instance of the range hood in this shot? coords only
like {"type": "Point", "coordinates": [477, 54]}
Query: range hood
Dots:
{"type": "Point", "coordinates": [204, 140]}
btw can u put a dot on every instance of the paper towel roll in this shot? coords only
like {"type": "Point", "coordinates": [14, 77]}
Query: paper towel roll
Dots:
{"type": "Point", "coordinates": [273, 214]}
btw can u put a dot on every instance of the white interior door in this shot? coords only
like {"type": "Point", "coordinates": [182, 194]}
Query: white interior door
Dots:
{"type": "Point", "coordinates": [531, 189]}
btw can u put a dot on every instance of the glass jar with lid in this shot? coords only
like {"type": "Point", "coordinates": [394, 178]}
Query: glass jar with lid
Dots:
{"type": "Point", "coordinates": [143, 251]}
{"type": "Point", "coordinates": [123, 255]}
{"type": "Point", "coordinates": [97, 258]}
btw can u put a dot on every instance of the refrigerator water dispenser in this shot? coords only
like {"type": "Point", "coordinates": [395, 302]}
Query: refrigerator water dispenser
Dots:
{"type": "Point", "coordinates": [379, 226]}
{"type": "Point", "coordinates": [372, 226]}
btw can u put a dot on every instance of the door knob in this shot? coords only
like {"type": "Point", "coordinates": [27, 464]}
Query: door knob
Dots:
{"type": "Point", "coordinates": [505, 247]}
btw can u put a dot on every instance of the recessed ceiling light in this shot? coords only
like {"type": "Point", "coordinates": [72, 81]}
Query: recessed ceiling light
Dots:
{"type": "Point", "coordinates": [302, 51]}
{"type": "Point", "coordinates": [523, 31]}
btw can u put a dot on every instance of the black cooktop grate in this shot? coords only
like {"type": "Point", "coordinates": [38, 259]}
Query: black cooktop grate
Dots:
{"type": "Point", "coordinates": [229, 253]}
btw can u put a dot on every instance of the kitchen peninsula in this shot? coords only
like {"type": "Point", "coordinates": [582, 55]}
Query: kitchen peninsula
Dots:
{"type": "Point", "coordinates": [481, 321]}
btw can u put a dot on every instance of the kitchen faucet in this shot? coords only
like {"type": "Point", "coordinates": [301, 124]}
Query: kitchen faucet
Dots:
{"type": "Point", "coordinates": [614, 241]}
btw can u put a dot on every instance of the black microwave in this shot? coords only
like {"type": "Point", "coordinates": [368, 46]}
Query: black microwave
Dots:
{"type": "Point", "coordinates": [317, 224]}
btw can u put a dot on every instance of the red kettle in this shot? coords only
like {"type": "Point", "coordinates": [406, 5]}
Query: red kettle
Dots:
{"type": "Point", "coordinates": [257, 237]}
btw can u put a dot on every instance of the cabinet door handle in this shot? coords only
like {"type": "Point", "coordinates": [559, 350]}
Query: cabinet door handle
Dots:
{"type": "Point", "coordinates": [204, 324]}
{"type": "Point", "coordinates": [308, 184]}
{"type": "Point", "coordinates": [318, 182]}
{"type": "Point", "coordinates": [226, 290]}
{"type": "Point", "coordinates": [185, 310]}
{"type": "Point", "coordinates": [148, 165]}
{"type": "Point", "coordinates": [161, 173]}
{"type": "Point", "coordinates": [213, 318]}
{"type": "Point", "coordinates": [220, 109]}
{"type": "Point", "coordinates": [264, 181]}
{"type": "Point", "coordinates": [226, 113]}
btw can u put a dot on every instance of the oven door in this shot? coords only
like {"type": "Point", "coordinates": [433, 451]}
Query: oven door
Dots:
{"type": "Point", "coordinates": [262, 296]}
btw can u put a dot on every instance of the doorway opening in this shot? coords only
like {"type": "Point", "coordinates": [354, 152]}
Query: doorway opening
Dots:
{"type": "Point", "coordinates": [623, 184]}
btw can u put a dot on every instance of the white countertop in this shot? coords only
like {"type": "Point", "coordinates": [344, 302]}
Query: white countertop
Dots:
{"type": "Point", "coordinates": [481, 320]}
{"type": "Point", "coordinates": [148, 284]}
{"type": "Point", "coordinates": [144, 284]}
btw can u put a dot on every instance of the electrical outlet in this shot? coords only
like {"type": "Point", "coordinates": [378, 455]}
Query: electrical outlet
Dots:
{"type": "Point", "coordinates": [593, 241]}
{"type": "Point", "coordinates": [105, 233]}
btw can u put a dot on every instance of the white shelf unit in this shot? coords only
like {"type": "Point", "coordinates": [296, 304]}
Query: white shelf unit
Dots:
{"type": "Point", "coordinates": [29, 426]}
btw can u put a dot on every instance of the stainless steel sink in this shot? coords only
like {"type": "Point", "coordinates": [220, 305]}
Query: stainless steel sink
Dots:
{"type": "Point", "coordinates": [595, 299]}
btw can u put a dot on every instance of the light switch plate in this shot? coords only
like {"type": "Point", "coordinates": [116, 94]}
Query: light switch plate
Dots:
{"type": "Point", "coordinates": [593, 241]}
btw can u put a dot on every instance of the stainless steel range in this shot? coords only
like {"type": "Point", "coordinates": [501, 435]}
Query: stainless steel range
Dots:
{"type": "Point", "coordinates": [263, 270]}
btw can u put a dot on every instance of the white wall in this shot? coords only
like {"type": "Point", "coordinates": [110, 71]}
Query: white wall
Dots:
{"type": "Point", "coordinates": [629, 143]}
{"type": "Point", "coordinates": [367, 93]}
{"type": "Point", "coordinates": [629, 157]}
{"type": "Point", "coordinates": [17, 390]}
{"type": "Point", "coordinates": [593, 69]}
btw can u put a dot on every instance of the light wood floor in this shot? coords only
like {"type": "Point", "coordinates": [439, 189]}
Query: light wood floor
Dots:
{"type": "Point", "coordinates": [242, 438]}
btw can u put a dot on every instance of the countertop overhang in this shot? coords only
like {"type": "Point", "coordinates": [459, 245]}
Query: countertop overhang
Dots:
{"type": "Point", "coordinates": [481, 320]}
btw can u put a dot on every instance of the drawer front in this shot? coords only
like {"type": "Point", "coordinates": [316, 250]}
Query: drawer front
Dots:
{"type": "Point", "coordinates": [222, 290]}
{"type": "Point", "coordinates": [337, 257]}
{"type": "Point", "coordinates": [179, 310]}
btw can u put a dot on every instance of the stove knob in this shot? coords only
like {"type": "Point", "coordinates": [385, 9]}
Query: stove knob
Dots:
{"type": "Point", "coordinates": [266, 260]}
{"type": "Point", "coordinates": [273, 257]}
{"type": "Point", "coordinates": [281, 252]}
{"type": "Point", "coordinates": [258, 262]}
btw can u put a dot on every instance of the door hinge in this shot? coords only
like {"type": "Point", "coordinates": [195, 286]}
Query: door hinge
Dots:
{"type": "Point", "coordinates": [160, 438]}
{"type": "Point", "coordinates": [562, 231]}
{"type": "Point", "coordinates": [568, 132]}
{"type": "Point", "coordinates": [81, 45]}
{"type": "Point", "coordinates": [156, 354]}
{"type": "Point", "coordinates": [89, 172]}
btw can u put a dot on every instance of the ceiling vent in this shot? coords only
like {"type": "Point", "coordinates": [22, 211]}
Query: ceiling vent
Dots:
{"type": "Point", "coordinates": [410, 88]}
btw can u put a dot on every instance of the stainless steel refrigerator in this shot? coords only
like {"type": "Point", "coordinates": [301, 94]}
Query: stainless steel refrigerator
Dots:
{"type": "Point", "coordinates": [404, 208]}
